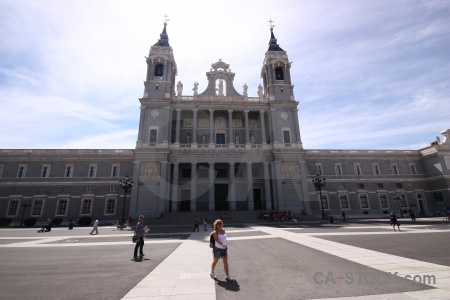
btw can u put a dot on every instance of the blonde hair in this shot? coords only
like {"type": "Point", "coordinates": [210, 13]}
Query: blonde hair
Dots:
{"type": "Point", "coordinates": [217, 222]}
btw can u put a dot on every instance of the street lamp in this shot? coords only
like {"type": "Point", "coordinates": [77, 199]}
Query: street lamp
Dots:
{"type": "Point", "coordinates": [126, 185]}
{"type": "Point", "coordinates": [319, 184]}
{"type": "Point", "coordinates": [399, 197]}
{"type": "Point", "coordinates": [24, 204]}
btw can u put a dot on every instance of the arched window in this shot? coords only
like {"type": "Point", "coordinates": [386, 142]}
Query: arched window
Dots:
{"type": "Point", "coordinates": [159, 70]}
{"type": "Point", "coordinates": [279, 74]}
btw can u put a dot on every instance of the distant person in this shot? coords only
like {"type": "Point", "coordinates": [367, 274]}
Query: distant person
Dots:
{"type": "Point", "coordinates": [140, 232]}
{"type": "Point", "coordinates": [71, 224]}
{"type": "Point", "coordinates": [394, 221]}
{"type": "Point", "coordinates": [344, 219]}
{"type": "Point", "coordinates": [95, 227]}
{"type": "Point", "coordinates": [220, 250]}
{"type": "Point", "coordinates": [204, 224]}
{"type": "Point", "coordinates": [196, 221]}
{"type": "Point", "coordinates": [412, 215]}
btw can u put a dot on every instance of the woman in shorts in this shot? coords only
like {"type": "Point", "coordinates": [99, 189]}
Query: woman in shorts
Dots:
{"type": "Point", "coordinates": [220, 250]}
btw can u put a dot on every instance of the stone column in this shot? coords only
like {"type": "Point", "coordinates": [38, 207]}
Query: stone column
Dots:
{"type": "Point", "coordinates": [297, 128]}
{"type": "Point", "coordinates": [177, 134]}
{"type": "Point", "coordinates": [193, 187]}
{"type": "Point", "coordinates": [232, 192]}
{"type": "Point", "coordinates": [194, 131]}
{"type": "Point", "coordinates": [175, 201]}
{"type": "Point", "coordinates": [251, 204]}
{"type": "Point", "coordinates": [141, 124]}
{"type": "Point", "coordinates": [211, 128]}
{"type": "Point", "coordinates": [230, 126]}
{"type": "Point", "coordinates": [162, 187]}
{"type": "Point", "coordinates": [211, 194]}
{"type": "Point", "coordinates": [135, 190]}
{"type": "Point", "coordinates": [303, 176]}
{"type": "Point", "coordinates": [267, 192]}
{"type": "Point", "coordinates": [263, 127]}
{"type": "Point", "coordinates": [279, 185]}
{"type": "Point", "coordinates": [247, 134]}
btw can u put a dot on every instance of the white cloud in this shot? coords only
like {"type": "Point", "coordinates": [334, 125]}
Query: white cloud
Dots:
{"type": "Point", "coordinates": [368, 74]}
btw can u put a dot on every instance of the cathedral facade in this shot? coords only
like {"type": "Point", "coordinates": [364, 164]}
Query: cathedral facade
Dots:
{"type": "Point", "coordinates": [221, 150]}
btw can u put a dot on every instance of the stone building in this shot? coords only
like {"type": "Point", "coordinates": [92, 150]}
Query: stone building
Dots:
{"type": "Point", "coordinates": [221, 150]}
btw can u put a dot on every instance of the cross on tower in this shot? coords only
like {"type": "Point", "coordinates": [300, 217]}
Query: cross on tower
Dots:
{"type": "Point", "coordinates": [166, 19]}
{"type": "Point", "coordinates": [270, 21]}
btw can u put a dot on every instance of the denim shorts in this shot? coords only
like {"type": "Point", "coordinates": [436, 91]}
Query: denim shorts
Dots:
{"type": "Point", "coordinates": [218, 253]}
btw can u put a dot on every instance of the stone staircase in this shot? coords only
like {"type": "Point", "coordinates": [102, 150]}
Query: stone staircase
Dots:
{"type": "Point", "coordinates": [231, 217]}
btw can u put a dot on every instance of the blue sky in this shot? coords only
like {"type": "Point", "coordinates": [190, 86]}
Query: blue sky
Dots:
{"type": "Point", "coordinates": [368, 74]}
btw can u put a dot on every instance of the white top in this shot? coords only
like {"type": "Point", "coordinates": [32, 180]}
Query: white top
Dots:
{"type": "Point", "coordinates": [222, 239]}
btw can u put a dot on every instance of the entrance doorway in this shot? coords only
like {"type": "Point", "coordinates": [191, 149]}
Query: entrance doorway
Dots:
{"type": "Point", "coordinates": [220, 197]}
{"type": "Point", "coordinates": [257, 199]}
{"type": "Point", "coordinates": [185, 200]}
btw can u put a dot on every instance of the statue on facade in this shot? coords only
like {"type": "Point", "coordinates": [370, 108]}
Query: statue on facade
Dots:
{"type": "Point", "coordinates": [220, 87]}
{"type": "Point", "coordinates": [252, 138]}
{"type": "Point", "coordinates": [203, 138]}
{"type": "Point", "coordinates": [195, 89]}
{"type": "Point", "coordinates": [236, 138]}
{"type": "Point", "coordinates": [188, 138]}
{"type": "Point", "coordinates": [179, 88]}
{"type": "Point", "coordinates": [245, 90]}
{"type": "Point", "coordinates": [260, 91]}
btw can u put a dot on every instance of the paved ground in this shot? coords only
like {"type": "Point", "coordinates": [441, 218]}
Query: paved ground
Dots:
{"type": "Point", "coordinates": [363, 259]}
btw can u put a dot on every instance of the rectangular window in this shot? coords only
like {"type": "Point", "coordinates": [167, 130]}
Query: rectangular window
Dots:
{"type": "Point", "coordinates": [45, 171]}
{"type": "Point", "coordinates": [343, 200]}
{"type": "Point", "coordinates": [338, 169]}
{"type": "Point", "coordinates": [380, 185]}
{"type": "Point", "coordinates": [360, 185]}
{"type": "Point", "coordinates": [222, 173]}
{"type": "Point", "coordinates": [383, 201]}
{"type": "Point", "coordinates": [438, 197]}
{"type": "Point", "coordinates": [112, 189]}
{"type": "Point", "coordinates": [357, 168]}
{"type": "Point", "coordinates": [376, 169]}
{"type": "Point", "coordinates": [239, 172]}
{"type": "Point", "coordinates": [92, 171]}
{"type": "Point", "coordinates": [220, 138]}
{"type": "Point", "coordinates": [319, 169]}
{"type": "Point", "coordinates": [89, 189]}
{"type": "Point", "coordinates": [21, 171]}
{"type": "Point", "coordinates": [115, 171]}
{"type": "Point", "coordinates": [1, 170]}
{"type": "Point", "coordinates": [363, 201]}
{"type": "Point", "coordinates": [69, 171]}
{"type": "Point", "coordinates": [37, 207]}
{"type": "Point", "coordinates": [185, 173]}
{"type": "Point", "coordinates": [13, 206]}
{"type": "Point", "coordinates": [287, 136]}
{"type": "Point", "coordinates": [153, 135]}
{"type": "Point", "coordinates": [403, 202]}
{"type": "Point", "coordinates": [412, 169]}
{"type": "Point", "coordinates": [110, 206]}
{"type": "Point", "coordinates": [61, 207]}
{"type": "Point", "coordinates": [86, 207]}
{"type": "Point", "coordinates": [399, 185]}
{"type": "Point", "coordinates": [394, 169]}
{"type": "Point", "coordinates": [325, 202]}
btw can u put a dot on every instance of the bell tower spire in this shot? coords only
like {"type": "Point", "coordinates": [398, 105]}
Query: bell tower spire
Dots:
{"type": "Point", "coordinates": [276, 72]}
{"type": "Point", "coordinates": [161, 68]}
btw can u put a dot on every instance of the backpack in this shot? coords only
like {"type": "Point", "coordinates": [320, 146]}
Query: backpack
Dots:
{"type": "Point", "coordinates": [212, 241]}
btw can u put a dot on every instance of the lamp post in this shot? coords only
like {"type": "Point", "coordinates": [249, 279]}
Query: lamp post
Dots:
{"type": "Point", "coordinates": [319, 184]}
{"type": "Point", "coordinates": [126, 185]}
{"type": "Point", "coordinates": [399, 197]}
{"type": "Point", "coordinates": [24, 204]}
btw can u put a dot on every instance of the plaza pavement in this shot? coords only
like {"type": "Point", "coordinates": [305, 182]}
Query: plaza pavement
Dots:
{"type": "Point", "coordinates": [286, 261]}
